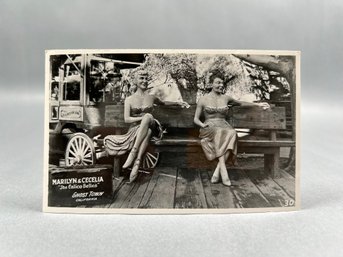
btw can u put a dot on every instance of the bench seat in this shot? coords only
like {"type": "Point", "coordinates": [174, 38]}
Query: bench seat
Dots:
{"type": "Point", "coordinates": [182, 132]}
{"type": "Point", "coordinates": [241, 142]}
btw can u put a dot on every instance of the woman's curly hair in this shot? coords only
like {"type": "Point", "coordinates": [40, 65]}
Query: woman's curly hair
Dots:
{"type": "Point", "coordinates": [216, 74]}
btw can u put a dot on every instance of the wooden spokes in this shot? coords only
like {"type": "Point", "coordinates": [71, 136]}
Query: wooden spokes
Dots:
{"type": "Point", "coordinates": [150, 160]}
{"type": "Point", "coordinates": [80, 151]}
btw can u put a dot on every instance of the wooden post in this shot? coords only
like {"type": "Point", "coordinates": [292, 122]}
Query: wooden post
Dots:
{"type": "Point", "coordinates": [116, 167]}
{"type": "Point", "coordinates": [267, 162]}
{"type": "Point", "coordinates": [275, 163]}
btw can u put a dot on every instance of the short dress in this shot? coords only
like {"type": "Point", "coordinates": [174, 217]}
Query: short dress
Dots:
{"type": "Point", "coordinates": [120, 144]}
{"type": "Point", "coordinates": [219, 137]}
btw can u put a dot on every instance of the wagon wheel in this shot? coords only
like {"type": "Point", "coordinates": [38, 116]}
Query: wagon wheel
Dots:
{"type": "Point", "coordinates": [80, 151]}
{"type": "Point", "coordinates": [150, 160]}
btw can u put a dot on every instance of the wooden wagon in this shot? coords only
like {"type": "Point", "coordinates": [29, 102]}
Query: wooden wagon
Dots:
{"type": "Point", "coordinates": [78, 102]}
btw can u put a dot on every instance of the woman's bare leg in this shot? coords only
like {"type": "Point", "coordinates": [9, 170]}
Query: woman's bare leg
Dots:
{"type": "Point", "coordinates": [216, 174]}
{"type": "Point", "coordinates": [141, 150]}
{"type": "Point", "coordinates": [226, 155]}
{"type": "Point", "coordinates": [223, 172]}
{"type": "Point", "coordinates": [229, 154]}
{"type": "Point", "coordinates": [141, 135]}
{"type": "Point", "coordinates": [143, 130]}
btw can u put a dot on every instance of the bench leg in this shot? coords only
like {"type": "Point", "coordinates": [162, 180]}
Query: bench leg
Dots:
{"type": "Point", "coordinates": [116, 167]}
{"type": "Point", "coordinates": [272, 163]}
{"type": "Point", "coordinates": [267, 162]}
{"type": "Point", "coordinates": [275, 164]}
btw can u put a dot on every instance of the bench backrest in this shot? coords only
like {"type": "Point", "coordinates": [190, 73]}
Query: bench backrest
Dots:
{"type": "Point", "coordinates": [177, 117]}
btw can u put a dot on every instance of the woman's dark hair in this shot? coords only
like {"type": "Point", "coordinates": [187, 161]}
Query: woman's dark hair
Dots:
{"type": "Point", "coordinates": [216, 74]}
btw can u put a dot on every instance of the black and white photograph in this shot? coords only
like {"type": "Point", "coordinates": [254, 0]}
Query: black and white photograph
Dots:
{"type": "Point", "coordinates": [171, 131]}
{"type": "Point", "coordinates": [171, 128]}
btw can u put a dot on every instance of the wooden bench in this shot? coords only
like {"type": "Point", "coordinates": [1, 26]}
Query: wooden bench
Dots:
{"type": "Point", "coordinates": [182, 133]}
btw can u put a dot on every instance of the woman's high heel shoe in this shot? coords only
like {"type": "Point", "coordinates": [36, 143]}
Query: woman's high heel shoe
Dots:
{"type": "Point", "coordinates": [226, 182]}
{"type": "Point", "coordinates": [134, 171]}
{"type": "Point", "coordinates": [130, 158]}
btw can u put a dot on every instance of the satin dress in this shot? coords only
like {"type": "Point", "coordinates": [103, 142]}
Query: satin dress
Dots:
{"type": "Point", "coordinates": [219, 137]}
{"type": "Point", "coordinates": [120, 144]}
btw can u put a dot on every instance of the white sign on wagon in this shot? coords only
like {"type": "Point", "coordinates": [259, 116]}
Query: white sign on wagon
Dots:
{"type": "Point", "coordinates": [72, 113]}
{"type": "Point", "coordinates": [172, 131]}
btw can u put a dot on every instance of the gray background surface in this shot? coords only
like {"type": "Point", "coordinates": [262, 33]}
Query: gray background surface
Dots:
{"type": "Point", "coordinates": [27, 28]}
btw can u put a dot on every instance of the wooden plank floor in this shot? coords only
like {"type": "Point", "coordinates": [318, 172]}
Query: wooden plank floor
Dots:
{"type": "Point", "coordinates": [171, 187]}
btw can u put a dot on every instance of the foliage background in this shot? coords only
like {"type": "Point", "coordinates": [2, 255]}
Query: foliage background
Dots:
{"type": "Point", "coordinates": [243, 80]}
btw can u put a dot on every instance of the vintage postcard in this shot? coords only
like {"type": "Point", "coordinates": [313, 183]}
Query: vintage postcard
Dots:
{"type": "Point", "coordinates": [171, 131]}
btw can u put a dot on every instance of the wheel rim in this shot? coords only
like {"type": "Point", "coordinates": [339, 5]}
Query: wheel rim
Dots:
{"type": "Point", "coordinates": [80, 151]}
{"type": "Point", "coordinates": [150, 160]}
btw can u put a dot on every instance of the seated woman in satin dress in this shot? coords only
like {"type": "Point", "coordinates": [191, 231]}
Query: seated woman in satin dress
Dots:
{"type": "Point", "coordinates": [218, 137]}
{"type": "Point", "coordinates": [137, 112]}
